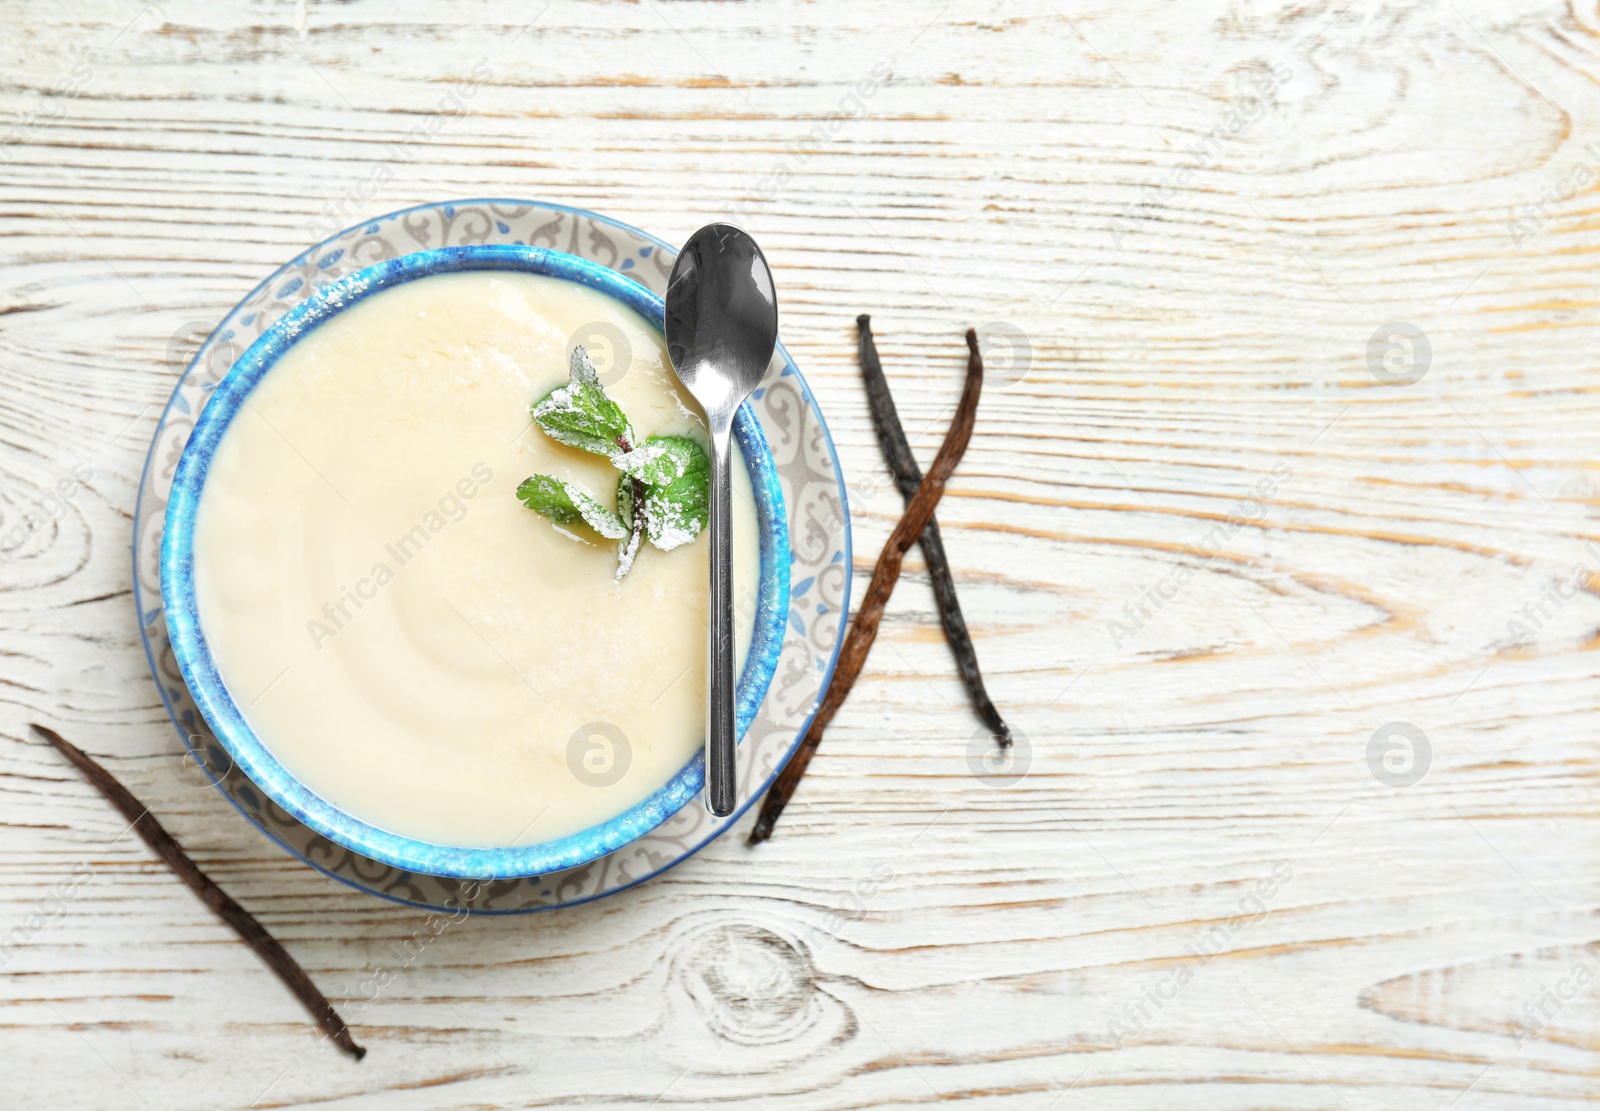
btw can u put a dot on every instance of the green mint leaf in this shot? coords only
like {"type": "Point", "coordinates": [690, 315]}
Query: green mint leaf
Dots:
{"type": "Point", "coordinates": [677, 475]}
{"type": "Point", "coordinates": [563, 503]}
{"type": "Point", "coordinates": [661, 460]}
{"type": "Point", "coordinates": [580, 414]}
{"type": "Point", "coordinates": [629, 549]}
{"type": "Point", "coordinates": [624, 498]}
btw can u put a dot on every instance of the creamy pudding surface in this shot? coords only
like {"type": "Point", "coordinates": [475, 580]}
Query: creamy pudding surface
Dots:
{"type": "Point", "coordinates": [405, 636]}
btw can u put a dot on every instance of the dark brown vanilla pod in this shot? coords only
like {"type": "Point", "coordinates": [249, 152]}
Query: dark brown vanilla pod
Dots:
{"type": "Point", "coordinates": [252, 932]}
{"type": "Point", "coordinates": [907, 476]}
{"type": "Point", "coordinates": [864, 629]}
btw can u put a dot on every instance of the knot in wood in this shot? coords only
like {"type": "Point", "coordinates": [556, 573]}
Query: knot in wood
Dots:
{"type": "Point", "coordinates": [750, 985]}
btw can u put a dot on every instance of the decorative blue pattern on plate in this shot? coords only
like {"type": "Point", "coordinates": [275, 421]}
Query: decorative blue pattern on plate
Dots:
{"type": "Point", "coordinates": [814, 501]}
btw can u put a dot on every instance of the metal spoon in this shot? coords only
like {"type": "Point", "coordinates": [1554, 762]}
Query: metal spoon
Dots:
{"type": "Point", "coordinates": [721, 326]}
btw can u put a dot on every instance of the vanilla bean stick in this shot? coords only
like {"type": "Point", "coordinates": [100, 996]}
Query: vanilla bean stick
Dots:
{"type": "Point", "coordinates": [907, 476]}
{"type": "Point", "coordinates": [253, 933]}
{"type": "Point", "coordinates": [864, 629]}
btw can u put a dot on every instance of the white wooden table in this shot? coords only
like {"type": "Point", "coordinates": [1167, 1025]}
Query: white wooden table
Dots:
{"type": "Point", "coordinates": [1202, 894]}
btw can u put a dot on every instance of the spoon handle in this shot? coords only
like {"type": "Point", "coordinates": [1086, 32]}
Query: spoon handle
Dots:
{"type": "Point", "coordinates": [721, 756]}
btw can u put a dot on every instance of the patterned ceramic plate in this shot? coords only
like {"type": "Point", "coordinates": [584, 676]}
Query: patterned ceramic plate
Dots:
{"type": "Point", "coordinates": [813, 493]}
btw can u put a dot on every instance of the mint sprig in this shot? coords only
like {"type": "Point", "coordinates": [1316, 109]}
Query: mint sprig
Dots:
{"type": "Point", "coordinates": [663, 492]}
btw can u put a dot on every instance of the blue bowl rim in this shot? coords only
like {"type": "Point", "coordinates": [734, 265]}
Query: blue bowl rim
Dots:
{"type": "Point", "coordinates": [198, 668]}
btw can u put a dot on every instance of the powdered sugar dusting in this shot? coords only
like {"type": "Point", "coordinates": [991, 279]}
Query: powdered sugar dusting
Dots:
{"type": "Point", "coordinates": [626, 553]}
{"type": "Point", "coordinates": [595, 515]}
{"type": "Point", "coordinates": [580, 372]}
{"type": "Point", "coordinates": [669, 526]}
{"type": "Point", "coordinates": [647, 454]}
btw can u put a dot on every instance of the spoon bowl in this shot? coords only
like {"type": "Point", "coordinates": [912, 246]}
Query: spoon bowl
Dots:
{"type": "Point", "coordinates": [721, 317]}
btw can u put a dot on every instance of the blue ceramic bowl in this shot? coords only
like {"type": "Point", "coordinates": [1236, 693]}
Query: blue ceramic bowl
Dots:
{"type": "Point", "coordinates": [211, 694]}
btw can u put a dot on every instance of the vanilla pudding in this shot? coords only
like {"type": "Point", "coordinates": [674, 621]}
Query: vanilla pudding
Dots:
{"type": "Point", "coordinates": [408, 639]}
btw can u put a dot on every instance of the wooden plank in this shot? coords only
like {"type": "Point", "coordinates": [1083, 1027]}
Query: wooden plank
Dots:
{"type": "Point", "coordinates": [1200, 894]}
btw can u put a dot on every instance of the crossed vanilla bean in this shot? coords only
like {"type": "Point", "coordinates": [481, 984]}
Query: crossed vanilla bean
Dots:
{"type": "Point", "coordinates": [908, 476]}
{"type": "Point", "coordinates": [864, 629]}
{"type": "Point", "coordinates": [252, 932]}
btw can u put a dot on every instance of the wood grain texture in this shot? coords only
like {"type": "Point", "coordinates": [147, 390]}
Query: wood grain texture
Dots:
{"type": "Point", "coordinates": [1200, 894]}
